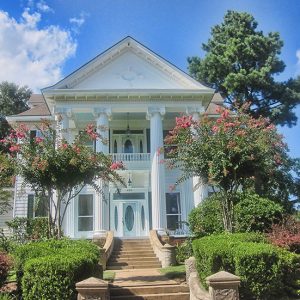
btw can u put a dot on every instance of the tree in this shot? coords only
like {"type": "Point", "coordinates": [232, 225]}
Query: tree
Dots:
{"type": "Point", "coordinates": [6, 180]}
{"type": "Point", "coordinates": [48, 166]}
{"type": "Point", "coordinates": [13, 100]}
{"type": "Point", "coordinates": [241, 63]}
{"type": "Point", "coordinates": [229, 153]}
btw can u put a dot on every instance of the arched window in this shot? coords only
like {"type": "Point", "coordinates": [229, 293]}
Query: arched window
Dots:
{"type": "Point", "coordinates": [128, 148]}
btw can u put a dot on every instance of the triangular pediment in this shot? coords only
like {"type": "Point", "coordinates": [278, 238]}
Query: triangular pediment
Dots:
{"type": "Point", "coordinates": [128, 65]}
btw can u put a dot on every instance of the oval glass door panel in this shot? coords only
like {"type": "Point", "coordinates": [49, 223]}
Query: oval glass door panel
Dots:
{"type": "Point", "coordinates": [129, 217]}
{"type": "Point", "coordinates": [128, 148]}
{"type": "Point", "coordinates": [143, 217]}
{"type": "Point", "coordinates": [116, 218]}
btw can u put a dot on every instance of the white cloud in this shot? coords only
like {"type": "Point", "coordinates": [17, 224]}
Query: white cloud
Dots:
{"type": "Point", "coordinates": [30, 55]}
{"type": "Point", "coordinates": [77, 22]}
{"type": "Point", "coordinates": [44, 7]}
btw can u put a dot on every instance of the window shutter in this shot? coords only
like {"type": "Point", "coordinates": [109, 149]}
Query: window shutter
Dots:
{"type": "Point", "coordinates": [30, 205]}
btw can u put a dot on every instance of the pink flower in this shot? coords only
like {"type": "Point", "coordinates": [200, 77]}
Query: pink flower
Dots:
{"type": "Point", "coordinates": [184, 121]}
{"type": "Point", "coordinates": [117, 165]}
{"type": "Point", "coordinates": [38, 140]}
{"type": "Point", "coordinates": [64, 146]}
{"type": "Point", "coordinates": [215, 129]}
{"type": "Point", "coordinates": [14, 148]}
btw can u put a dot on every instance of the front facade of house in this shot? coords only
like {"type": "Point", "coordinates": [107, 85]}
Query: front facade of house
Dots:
{"type": "Point", "coordinates": [136, 95]}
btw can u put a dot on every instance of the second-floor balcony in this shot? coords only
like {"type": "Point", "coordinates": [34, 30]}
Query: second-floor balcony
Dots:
{"type": "Point", "coordinates": [131, 157]}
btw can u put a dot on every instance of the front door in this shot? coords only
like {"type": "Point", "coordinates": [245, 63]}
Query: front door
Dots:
{"type": "Point", "coordinates": [129, 219]}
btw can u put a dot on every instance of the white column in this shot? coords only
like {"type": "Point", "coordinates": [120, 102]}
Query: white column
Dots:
{"type": "Point", "coordinates": [101, 222]}
{"type": "Point", "coordinates": [199, 188]}
{"type": "Point", "coordinates": [157, 170]}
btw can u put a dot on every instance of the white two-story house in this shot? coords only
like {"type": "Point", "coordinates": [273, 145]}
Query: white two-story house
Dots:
{"type": "Point", "coordinates": [136, 94]}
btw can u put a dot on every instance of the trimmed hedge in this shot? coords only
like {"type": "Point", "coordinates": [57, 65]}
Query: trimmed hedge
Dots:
{"type": "Point", "coordinates": [266, 271]}
{"type": "Point", "coordinates": [50, 269]}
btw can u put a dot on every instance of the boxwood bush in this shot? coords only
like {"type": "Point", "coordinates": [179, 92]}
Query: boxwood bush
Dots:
{"type": "Point", "coordinates": [266, 271]}
{"type": "Point", "coordinates": [50, 269]}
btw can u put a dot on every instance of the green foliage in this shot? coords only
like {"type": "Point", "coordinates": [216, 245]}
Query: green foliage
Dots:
{"type": "Point", "coordinates": [254, 213]}
{"type": "Point", "coordinates": [266, 271]}
{"type": "Point", "coordinates": [173, 271]}
{"type": "Point", "coordinates": [241, 63]}
{"type": "Point", "coordinates": [229, 152]}
{"type": "Point", "coordinates": [7, 296]}
{"type": "Point", "coordinates": [4, 267]}
{"type": "Point", "coordinates": [49, 163]}
{"type": "Point", "coordinates": [13, 100]}
{"type": "Point", "coordinates": [25, 229]}
{"type": "Point", "coordinates": [6, 179]}
{"type": "Point", "coordinates": [206, 218]}
{"type": "Point", "coordinates": [50, 269]}
{"type": "Point", "coordinates": [184, 251]}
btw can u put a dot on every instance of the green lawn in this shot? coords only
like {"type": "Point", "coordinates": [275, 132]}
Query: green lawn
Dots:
{"type": "Point", "coordinates": [173, 271]}
{"type": "Point", "coordinates": [109, 275]}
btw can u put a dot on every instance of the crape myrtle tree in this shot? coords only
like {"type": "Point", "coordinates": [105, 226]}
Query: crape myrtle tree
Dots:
{"type": "Point", "coordinates": [6, 180]}
{"type": "Point", "coordinates": [229, 153]}
{"type": "Point", "coordinates": [13, 100]}
{"type": "Point", "coordinates": [241, 63]}
{"type": "Point", "coordinates": [58, 171]}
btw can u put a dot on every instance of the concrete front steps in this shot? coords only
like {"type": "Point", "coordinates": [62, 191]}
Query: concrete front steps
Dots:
{"type": "Point", "coordinates": [132, 254]}
{"type": "Point", "coordinates": [150, 292]}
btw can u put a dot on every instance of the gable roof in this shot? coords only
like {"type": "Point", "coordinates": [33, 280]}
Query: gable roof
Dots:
{"type": "Point", "coordinates": [127, 45]}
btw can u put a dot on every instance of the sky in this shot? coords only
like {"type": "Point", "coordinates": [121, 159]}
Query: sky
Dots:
{"type": "Point", "coordinates": [43, 41]}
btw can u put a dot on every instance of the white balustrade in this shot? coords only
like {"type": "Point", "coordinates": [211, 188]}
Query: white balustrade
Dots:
{"type": "Point", "coordinates": [131, 156]}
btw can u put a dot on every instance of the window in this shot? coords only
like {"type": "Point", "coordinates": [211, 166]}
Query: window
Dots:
{"type": "Point", "coordinates": [128, 148]}
{"type": "Point", "coordinates": [173, 211]}
{"type": "Point", "coordinates": [85, 213]}
{"type": "Point", "coordinates": [36, 207]}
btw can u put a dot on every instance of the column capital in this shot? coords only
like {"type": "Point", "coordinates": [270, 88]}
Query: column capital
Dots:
{"type": "Point", "coordinates": [155, 109]}
{"type": "Point", "coordinates": [102, 110]}
{"type": "Point", "coordinates": [63, 111]}
{"type": "Point", "coordinates": [199, 109]}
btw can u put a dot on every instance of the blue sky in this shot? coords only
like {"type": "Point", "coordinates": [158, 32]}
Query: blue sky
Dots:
{"type": "Point", "coordinates": [42, 41]}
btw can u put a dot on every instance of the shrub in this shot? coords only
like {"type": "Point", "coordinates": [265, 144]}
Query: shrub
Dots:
{"type": "Point", "coordinates": [206, 218]}
{"type": "Point", "coordinates": [25, 229]}
{"type": "Point", "coordinates": [184, 251]}
{"type": "Point", "coordinates": [286, 234]}
{"type": "Point", "coordinates": [254, 213]}
{"type": "Point", "coordinates": [266, 272]}
{"type": "Point", "coordinates": [4, 267]}
{"type": "Point", "coordinates": [50, 269]}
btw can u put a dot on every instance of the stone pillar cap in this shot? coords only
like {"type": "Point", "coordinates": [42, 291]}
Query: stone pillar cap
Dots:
{"type": "Point", "coordinates": [222, 277]}
{"type": "Point", "coordinates": [92, 282]}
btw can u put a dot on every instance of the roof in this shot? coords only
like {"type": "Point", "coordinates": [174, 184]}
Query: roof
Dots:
{"type": "Point", "coordinates": [216, 102]}
{"type": "Point", "coordinates": [38, 107]}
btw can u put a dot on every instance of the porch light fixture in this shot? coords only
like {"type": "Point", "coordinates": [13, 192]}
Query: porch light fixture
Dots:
{"type": "Point", "coordinates": [128, 132]}
{"type": "Point", "coordinates": [129, 183]}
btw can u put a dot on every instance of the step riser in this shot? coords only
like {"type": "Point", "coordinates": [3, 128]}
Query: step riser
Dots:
{"type": "Point", "coordinates": [133, 267]}
{"type": "Point", "coordinates": [146, 290]}
{"type": "Point", "coordinates": [133, 261]}
{"type": "Point", "coordinates": [182, 296]}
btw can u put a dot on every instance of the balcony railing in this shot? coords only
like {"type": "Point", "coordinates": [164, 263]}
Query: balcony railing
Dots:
{"type": "Point", "coordinates": [131, 156]}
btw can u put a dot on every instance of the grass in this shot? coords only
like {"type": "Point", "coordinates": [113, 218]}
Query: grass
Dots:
{"type": "Point", "coordinates": [11, 276]}
{"type": "Point", "coordinates": [109, 275]}
{"type": "Point", "coordinates": [173, 272]}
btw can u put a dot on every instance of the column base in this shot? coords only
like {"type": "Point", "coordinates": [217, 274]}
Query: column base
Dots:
{"type": "Point", "coordinates": [99, 237]}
